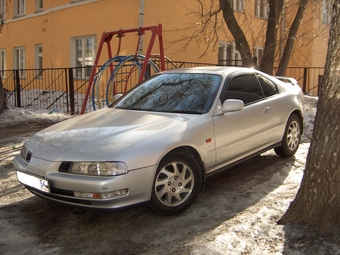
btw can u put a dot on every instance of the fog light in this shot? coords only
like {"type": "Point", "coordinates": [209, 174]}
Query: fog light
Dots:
{"type": "Point", "coordinates": [86, 194]}
{"type": "Point", "coordinates": [104, 195]}
{"type": "Point", "coordinates": [116, 193]}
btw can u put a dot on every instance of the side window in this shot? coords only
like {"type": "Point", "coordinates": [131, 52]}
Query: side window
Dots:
{"type": "Point", "coordinates": [269, 88]}
{"type": "Point", "coordinates": [243, 87]}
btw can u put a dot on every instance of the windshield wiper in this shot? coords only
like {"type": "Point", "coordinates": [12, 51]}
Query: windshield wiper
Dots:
{"type": "Point", "coordinates": [186, 111]}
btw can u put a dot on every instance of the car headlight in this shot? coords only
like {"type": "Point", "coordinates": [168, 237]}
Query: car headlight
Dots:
{"type": "Point", "coordinates": [98, 168]}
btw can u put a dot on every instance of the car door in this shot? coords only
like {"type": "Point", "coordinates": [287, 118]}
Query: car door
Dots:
{"type": "Point", "coordinates": [242, 133]}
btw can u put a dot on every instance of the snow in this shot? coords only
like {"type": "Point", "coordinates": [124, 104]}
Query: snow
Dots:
{"type": "Point", "coordinates": [242, 222]}
{"type": "Point", "coordinates": [15, 116]}
{"type": "Point", "coordinates": [56, 101]}
{"type": "Point", "coordinates": [310, 111]}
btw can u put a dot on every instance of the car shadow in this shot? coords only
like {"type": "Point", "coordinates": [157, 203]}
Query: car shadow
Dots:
{"type": "Point", "coordinates": [138, 230]}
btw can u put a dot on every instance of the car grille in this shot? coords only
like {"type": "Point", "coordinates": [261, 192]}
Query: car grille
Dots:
{"type": "Point", "coordinates": [62, 192]}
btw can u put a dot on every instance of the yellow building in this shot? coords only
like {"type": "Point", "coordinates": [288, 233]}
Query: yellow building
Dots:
{"type": "Point", "coordinates": [58, 34]}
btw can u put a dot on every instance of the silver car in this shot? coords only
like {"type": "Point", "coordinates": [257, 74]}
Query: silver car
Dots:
{"type": "Point", "coordinates": [160, 141]}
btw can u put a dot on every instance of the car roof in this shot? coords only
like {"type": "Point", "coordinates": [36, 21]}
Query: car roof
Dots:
{"type": "Point", "coordinates": [227, 70]}
{"type": "Point", "coordinates": [221, 70]}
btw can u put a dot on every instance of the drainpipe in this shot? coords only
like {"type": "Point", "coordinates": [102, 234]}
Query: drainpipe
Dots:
{"type": "Point", "coordinates": [141, 23]}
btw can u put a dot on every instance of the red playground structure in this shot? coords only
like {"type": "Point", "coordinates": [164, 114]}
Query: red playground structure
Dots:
{"type": "Point", "coordinates": [140, 61]}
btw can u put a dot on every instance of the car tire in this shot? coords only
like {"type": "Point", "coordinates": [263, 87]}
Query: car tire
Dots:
{"type": "Point", "coordinates": [176, 184]}
{"type": "Point", "coordinates": [291, 138]}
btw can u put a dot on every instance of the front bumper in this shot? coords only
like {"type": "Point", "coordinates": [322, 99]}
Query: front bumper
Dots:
{"type": "Point", "coordinates": [63, 185]}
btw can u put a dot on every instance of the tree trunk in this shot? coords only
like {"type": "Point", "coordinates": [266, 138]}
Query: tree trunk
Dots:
{"type": "Point", "coordinates": [318, 199]}
{"type": "Point", "coordinates": [267, 62]}
{"type": "Point", "coordinates": [240, 39]}
{"type": "Point", "coordinates": [3, 105]}
{"type": "Point", "coordinates": [291, 39]}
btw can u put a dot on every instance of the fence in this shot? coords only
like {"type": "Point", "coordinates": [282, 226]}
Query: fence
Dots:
{"type": "Point", "coordinates": [52, 89]}
{"type": "Point", "coordinates": [63, 89]}
{"type": "Point", "coordinates": [309, 78]}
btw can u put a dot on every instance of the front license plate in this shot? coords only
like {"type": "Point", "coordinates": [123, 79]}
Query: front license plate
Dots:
{"type": "Point", "coordinates": [33, 181]}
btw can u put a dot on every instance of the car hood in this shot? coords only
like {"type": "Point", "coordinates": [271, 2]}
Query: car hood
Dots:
{"type": "Point", "coordinates": [106, 135]}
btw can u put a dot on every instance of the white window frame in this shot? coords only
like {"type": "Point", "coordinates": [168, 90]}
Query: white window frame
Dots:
{"type": "Point", "coordinates": [237, 57]}
{"type": "Point", "coordinates": [19, 7]}
{"type": "Point", "coordinates": [237, 5]}
{"type": "Point", "coordinates": [39, 5]}
{"type": "Point", "coordinates": [258, 53]}
{"type": "Point", "coordinates": [326, 12]}
{"type": "Point", "coordinates": [82, 59]}
{"type": "Point", "coordinates": [39, 59]}
{"type": "Point", "coordinates": [3, 9]}
{"type": "Point", "coordinates": [228, 55]}
{"type": "Point", "coordinates": [261, 9]}
{"type": "Point", "coordinates": [20, 60]}
{"type": "Point", "coordinates": [2, 62]}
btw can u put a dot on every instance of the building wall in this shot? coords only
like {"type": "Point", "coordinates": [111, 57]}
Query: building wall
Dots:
{"type": "Point", "coordinates": [59, 22]}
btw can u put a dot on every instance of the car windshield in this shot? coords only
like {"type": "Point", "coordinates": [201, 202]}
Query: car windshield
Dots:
{"type": "Point", "coordinates": [174, 92]}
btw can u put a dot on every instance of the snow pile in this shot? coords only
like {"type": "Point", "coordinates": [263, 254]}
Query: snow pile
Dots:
{"type": "Point", "coordinates": [310, 111]}
{"type": "Point", "coordinates": [55, 100]}
{"type": "Point", "coordinates": [16, 116]}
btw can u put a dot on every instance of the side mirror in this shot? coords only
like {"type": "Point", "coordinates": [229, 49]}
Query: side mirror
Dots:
{"type": "Point", "coordinates": [116, 97]}
{"type": "Point", "coordinates": [232, 105]}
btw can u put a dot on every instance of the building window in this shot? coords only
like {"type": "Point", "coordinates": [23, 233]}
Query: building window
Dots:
{"type": "Point", "coordinates": [225, 54]}
{"type": "Point", "coordinates": [228, 55]}
{"type": "Point", "coordinates": [258, 54]}
{"type": "Point", "coordinates": [237, 5]}
{"type": "Point", "coordinates": [326, 12]}
{"type": "Point", "coordinates": [19, 7]}
{"type": "Point", "coordinates": [3, 9]}
{"type": "Point", "coordinates": [39, 5]}
{"type": "Point", "coordinates": [84, 54]}
{"type": "Point", "coordinates": [2, 62]}
{"type": "Point", "coordinates": [261, 9]}
{"type": "Point", "coordinates": [19, 60]}
{"type": "Point", "coordinates": [39, 59]}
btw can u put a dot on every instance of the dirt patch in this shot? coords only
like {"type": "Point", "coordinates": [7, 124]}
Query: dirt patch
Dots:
{"type": "Point", "coordinates": [236, 213]}
{"type": "Point", "coordinates": [12, 138]}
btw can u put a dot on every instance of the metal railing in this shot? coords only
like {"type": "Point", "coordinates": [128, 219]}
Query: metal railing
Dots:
{"type": "Point", "coordinates": [309, 78]}
{"type": "Point", "coordinates": [54, 89]}
{"type": "Point", "coordinates": [63, 89]}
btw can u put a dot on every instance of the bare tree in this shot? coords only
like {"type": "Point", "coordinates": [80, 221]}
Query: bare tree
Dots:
{"type": "Point", "coordinates": [275, 9]}
{"type": "Point", "coordinates": [318, 199]}
{"type": "Point", "coordinates": [2, 20]}
{"type": "Point", "coordinates": [3, 105]}
{"type": "Point", "coordinates": [209, 28]}
{"type": "Point", "coordinates": [2, 92]}
{"type": "Point", "coordinates": [242, 44]}
{"type": "Point", "coordinates": [291, 38]}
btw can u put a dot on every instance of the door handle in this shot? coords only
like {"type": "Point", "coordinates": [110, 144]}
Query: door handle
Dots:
{"type": "Point", "coordinates": [266, 110]}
